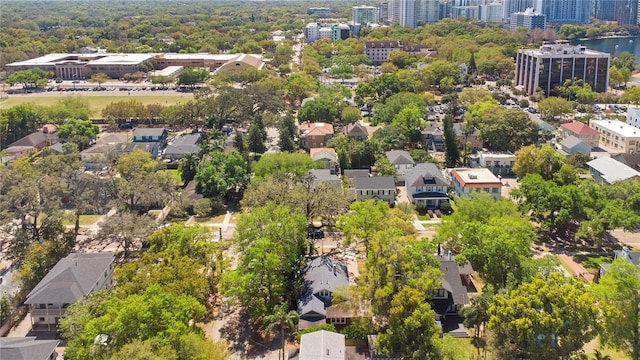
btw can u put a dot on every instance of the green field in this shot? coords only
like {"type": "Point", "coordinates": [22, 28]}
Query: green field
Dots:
{"type": "Point", "coordinates": [97, 103]}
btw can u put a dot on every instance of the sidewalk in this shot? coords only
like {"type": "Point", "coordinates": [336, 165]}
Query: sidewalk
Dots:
{"type": "Point", "coordinates": [577, 269]}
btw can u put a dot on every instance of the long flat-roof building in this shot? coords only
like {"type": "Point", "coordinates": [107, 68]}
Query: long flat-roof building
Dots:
{"type": "Point", "coordinates": [617, 135]}
{"type": "Point", "coordinates": [528, 19]}
{"type": "Point", "coordinates": [82, 66]}
{"type": "Point", "coordinates": [550, 65]}
{"type": "Point", "coordinates": [467, 181]}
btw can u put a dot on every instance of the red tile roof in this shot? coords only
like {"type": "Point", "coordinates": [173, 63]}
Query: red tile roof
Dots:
{"type": "Point", "coordinates": [580, 128]}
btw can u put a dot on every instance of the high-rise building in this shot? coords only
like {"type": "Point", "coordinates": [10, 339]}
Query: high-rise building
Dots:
{"type": "Point", "coordinates": [364, 14]}
{"type": "Point", "coordinates": [410, 13]}
{"type": "Point", "coordinates": [491, 12]}
{"type": "Point", "coordinates": [311, 32]}
{"type": "Point", "coordinates": [625, 12]}
{"type": "Point", "coordinates": [528, 19]}
{"type": "Point", "coordinates": [551, 65]}
{"type": "Point", "coordinates": [511, 6]}
{"type": "Point", "coordinates": [564, 11]}
{"type": "Point", "coordinates": [469, 12]}
{"type": "Point", "coordinates": [383, 12]}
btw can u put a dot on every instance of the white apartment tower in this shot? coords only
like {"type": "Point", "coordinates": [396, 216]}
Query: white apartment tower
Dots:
{"type": "Point", "coordinates": [412, 12]}
{"type": "Point", "coordinates": [364, 14]}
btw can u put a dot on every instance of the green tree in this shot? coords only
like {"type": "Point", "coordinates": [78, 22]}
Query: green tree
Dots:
{"type": "Point", "coordinates": [126, 229]}
{"type": "Point", "coordinates": [546, 318]}
{"type": "Point", "coordinates": [384, 166]}
{"type": "Point", "coordinates": [192, 241]}
{"type": "Point", "coordinates": [255, 139]}
{"type": "Point", "coordinates": [412, 331]}
{"type": "Point", "coordinates": [28, 78]}
{"type": "Point", "coordinates": [283, 164]}
{"type": "Point", "coordinates": [452, 152]}
{"type": "Point", "coordinates": [319, 110]}
{"type": "Point", "coordinates": [545, 161]}
{"type": "Point", "coordinates": [188, 167]}
{"type": "Point", "coordinates": [625, 60]}
{"type": "Point", "coordinates": [299, 86]}
{"type": "Point", "coordinates": [618, 296]}
{"type": "Point", "coordinates": [99, 78]}
{"type": "Point", "coordinates": [220, 172]}
{"type": "Point", "coordinates": [192, 76]}
{"type": "Point", "coordinates": [553, 107]}
{"type": "Point", "coordinates": [631, 96]}
{"type": "Point", "coordinates": [282, 319]}
{"type": "Point", "coordinates": [616, 78]}
{"type": "Point", "coordinates": [79, 132]}
{"type": "Point", "coordinates": [350, 114]}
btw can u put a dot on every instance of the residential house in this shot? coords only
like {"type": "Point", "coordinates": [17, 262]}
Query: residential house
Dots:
{"type": "Point", "coordinates": [322, 277]}
{"type": "Point", "coordinates": [322, 345]}
{"type": "Point", "coordinates": [158, 135]}
{"type": "Point", "coordinates": [320, 176]}
{"type": "Point", "coordinates": [327, 156]}
{"type": "Point", "coordinates": [32, 143]}
{"type": "Point", "coordinates": [632, 160]}
{"type": "Point", "coordinates": [356, 131]}
{"type": "Point", "coordinates": [500, 163]}
{"type": "Point", "coordinates": [71, 279]}
{"type": "Point", "coordinates": [351, 174]}
{"type": "Point", "coordinates": [433, 136]}
{"type": "Point", "coordinates": [376, 188]}
{"type": "Point", "coordinates": [58, 148]}
{"type": "Point", "coordinates": [464, 135]}
{"type": "Point", "coordinates": [315, 135]}
{"type": "Point", "coordinates": [27, 348]}
{"type": "Point", "coordinates": [426, 185]}
{"type": "Point", "coordinates": [402, 161]}
{"type": "Point", "coordinates": [632, 257]}
{"type": "Point", "coordinates": [607, 170]}
{"type": "Point", "coordinates": [467, 181]}
{"type": "Point", "coordinates": [581, 131]}
{"type": "Point", "coordinates": [572, 145]}
{"type": "Point", "coordinates": [448, 300]}
{"type": "Point", "coordinates": [98, 156]}
{"type": "Point", "coordinates": [114, 138]}
{"type": "Point", "coordinates": [542, 125]}
{"type": "Point", "coordinates": [127, 148]}
{"type": "Point", "coordinates": [181, 146]}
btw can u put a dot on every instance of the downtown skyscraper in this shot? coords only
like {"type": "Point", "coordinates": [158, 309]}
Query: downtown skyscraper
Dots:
{"type": "Point", "coordinates": [410, 13]}
{"type": "Point", "coordinates": [624, 12]}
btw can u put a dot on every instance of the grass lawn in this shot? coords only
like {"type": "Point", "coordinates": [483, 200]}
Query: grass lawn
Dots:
{"type": "Point", "coordinates": [175, 173]}
{"type": "Point", "coordinates": [460, 349]}
{"type": "Point", "coordinates": [592, 262]}
{"type": "Point", "coordinates": [84, 220]}
{"type": "Point", "coordinates": [424, 217]}
{"type": "Point", "coordinates": [96, 103]}
{"type": "Point", "coordinates": [211, 220]}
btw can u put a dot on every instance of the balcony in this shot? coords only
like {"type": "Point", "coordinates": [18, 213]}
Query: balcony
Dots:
{"type": "Point", "coordinates": [47, 312]}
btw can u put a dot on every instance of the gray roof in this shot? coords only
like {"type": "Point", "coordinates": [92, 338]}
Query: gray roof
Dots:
{"type": "Point", "coordinates": [631, 160]}
{"type": "Point", "coordinates": [542, 125]}
{"type": "Point", "coordinates": [321, 273]}
{"type": "Point", "coordinates": [571, 142]}
{"type": "Point", "coordinates": [356, 130]}
{"type": "Point", "coordinates": [57, 147]}
{"type": "Point", "coordinates": [433, 129]}
{"type": "Point", "coordinates": [633, 257]}
{"type": "Point", "coordinates": [156, 132]}
{"type": "Point", "coordinates": [322, 175]}
{"type": "Point", "coordinates": [322, 345]}
{"type": "Point", "coordinates": [399, 157]}
{"type": "Point", "coordinates": [424, 174]}
{"type": "Point", "coordinates": [374, 183]}
{"type": "Point", "coordinates": [612, 170]}
{"type": "Point", "coordinates": [324, 273]}
{"type": "Point", "coordinates": [451, 280]}
{"type": "Point", "coordinates": [26, 348]}
{"type": "Point", "coordinates": [72, 278]}
{"type": "Point", "coordinates": [131, 147]}
{"type": "Point", "coordinates": [113, 138]}
{"type": "Point", "coordinates": [35, 139]}
{"type": "Point", "coordinates": [354, 173]}
{"type": "Point", "coordinates": [181, 149]}
{"type": "Point", "coordinates": [458, 128]}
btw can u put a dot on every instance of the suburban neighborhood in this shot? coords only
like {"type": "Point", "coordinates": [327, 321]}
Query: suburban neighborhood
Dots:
{"type": "Point", "coordinates": [429, 179]}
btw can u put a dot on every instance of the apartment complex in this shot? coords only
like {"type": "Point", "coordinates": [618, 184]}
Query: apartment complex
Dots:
{"type": "Point", "coordinates": [617, 136]}
{"type": "Point", "coordinates": [550, 65]}
{"type": "Point", "coordinates": [582, 132]}
{"type": "Point", "coordinates": [565, 11]}
{"type": "Point", "coordinates": [528, 19]}
{"type": "Point", "coordinates": [624, 12]}
{"type": "Point", "coordinates": [467, 181]}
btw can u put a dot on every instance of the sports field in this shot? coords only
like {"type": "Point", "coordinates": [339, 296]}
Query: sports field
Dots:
{"type": "Point", "coordinates": [96, 102]}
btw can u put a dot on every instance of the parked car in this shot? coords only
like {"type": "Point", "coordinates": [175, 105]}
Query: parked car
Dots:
{"type": "Point", "coordinates": [315, 234]}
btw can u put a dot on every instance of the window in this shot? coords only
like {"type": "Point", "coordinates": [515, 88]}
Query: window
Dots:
{"type": "Point", "coordinates": [439, 293]}
{"type": "Point", "coordinates": [40, 319]}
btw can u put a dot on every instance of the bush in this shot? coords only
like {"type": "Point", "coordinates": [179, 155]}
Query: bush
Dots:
{"type": "Point", "coordinates": [202, 207]}
{"type": "Point", "coordinates": [524, 103]}
{"type": "Point", "coordinates": [327, 327]}
{"type": "Point", "coordinates": [446, 208]}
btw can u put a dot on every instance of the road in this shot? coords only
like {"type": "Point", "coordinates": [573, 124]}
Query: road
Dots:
{"type": "Point", "coordinates": [9, 286]}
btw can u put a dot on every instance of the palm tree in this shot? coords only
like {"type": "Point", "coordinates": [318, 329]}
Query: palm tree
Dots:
{"type": "Point", "coordinates": [280, 317]}
{"type": "Point", "coordinates": [600, 356]}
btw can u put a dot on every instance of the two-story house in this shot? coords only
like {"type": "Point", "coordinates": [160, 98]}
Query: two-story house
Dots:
{"type": "Point", "coordinates": [425, 184]}
{"type": "Point", "coordinates": [500, 163]}
{"type": "Point", "coordinates": [158, 135]}
{"type": "Point", "coordinates": [322, 277]}
{"type": "Point", "coordinates": [375, 187]}
{"type": "Point", "coordinates": [71, 279]}
{"type": "Point", "coordinates": [315, 135]}
{"type": "Point", "coordinates": [326, 156]}
{"type": "Point", "coordinates": [433, 136]}
{"type": "Point", "coordinates": [402, 161]}
{"type": "Point", "coordinates": [27, 348]}
{"type": "Point", "coordinates": [356, 131]}
{"type": "Point", "coordinates": [467, 181]}
{"type": "Point", "coordinates": [581, 131]}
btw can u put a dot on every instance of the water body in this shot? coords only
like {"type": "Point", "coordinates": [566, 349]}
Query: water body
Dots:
{"type": "Point", "coordinates": [614, 46]}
